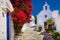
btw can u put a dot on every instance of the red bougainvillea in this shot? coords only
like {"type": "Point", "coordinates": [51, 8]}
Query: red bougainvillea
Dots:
{"type": "Point", "coordinates": [22, 12]}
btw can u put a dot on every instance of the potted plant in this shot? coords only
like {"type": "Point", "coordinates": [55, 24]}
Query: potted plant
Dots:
{"type": "Point", "coordinates": [40, 28]}
{"type": "Point", "coordinates": [56, 36]}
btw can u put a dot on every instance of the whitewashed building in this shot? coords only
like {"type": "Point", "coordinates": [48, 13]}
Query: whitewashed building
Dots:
{"type": "Point", "coordinates": [32, 23]}
{"type": "Point", "coordinates": [45, 14]}
{"type": "Point", "coordinates": [56, 18]}
{"type": "Point", "coordinates": [6, 30]}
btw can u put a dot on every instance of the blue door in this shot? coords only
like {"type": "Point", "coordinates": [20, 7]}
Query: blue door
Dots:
{"type": "Point", "coordinates": [7, 26]}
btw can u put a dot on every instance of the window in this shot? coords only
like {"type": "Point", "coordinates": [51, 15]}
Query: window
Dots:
{"type": "Point", "coordinates": [45, 16]}
{"type": "Point", "coordinates": [45, 7]}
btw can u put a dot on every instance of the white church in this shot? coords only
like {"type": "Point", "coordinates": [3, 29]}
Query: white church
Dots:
{"type": "Point", "coordinates": [46, 14]}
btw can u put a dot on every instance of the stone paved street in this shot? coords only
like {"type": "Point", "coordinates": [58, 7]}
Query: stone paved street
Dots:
{"type": "Point", "coordinates": [29, 34]}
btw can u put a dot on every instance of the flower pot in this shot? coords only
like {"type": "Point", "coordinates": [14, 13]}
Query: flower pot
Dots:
{"type": "Point", "coordinates": [38, 30]}
{"type": "Point", "coordinates": [56, 38]}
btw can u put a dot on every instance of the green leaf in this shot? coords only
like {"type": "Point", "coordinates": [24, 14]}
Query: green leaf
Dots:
{"type": "Point", "coordinates": [49, 21]}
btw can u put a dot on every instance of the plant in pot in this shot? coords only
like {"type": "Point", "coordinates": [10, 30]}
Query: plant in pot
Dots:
{"type": "Point", "coordinates": [40, 28]}
{"type": "Point", "coordinates": [56, 36]}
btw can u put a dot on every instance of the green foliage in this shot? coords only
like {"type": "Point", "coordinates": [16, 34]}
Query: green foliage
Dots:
{"type": "Point", "coordinates": [56, 34]}
{"type": "Point", "coordinates": [40, 27]}
{"type": "Point", "coordinates": [35, 20]}
{"type": "Point", "coordinates": [54, 28]}
{"type": "Point", "coordinates": [49, 21]}
{"type": "Point", "coordinates": [50, 29]}
{"type": "Point", "coordinates": [16, 27]}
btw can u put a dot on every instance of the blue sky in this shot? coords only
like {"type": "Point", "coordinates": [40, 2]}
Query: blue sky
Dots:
{"type": "Point", "coordinates": [38, 5]}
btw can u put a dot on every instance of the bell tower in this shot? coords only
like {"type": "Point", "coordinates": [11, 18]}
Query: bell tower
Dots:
{"type": "Point", "coordinates": [46, 6]}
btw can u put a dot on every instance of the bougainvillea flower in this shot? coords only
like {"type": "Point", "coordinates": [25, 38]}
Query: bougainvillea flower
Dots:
{"type": "Point", "coordinates": [17, 3]}
{"type": "Point", "coordinates": [22, 12]}
{"type": "Point", "coordinates": [20, 21]}
{"type": "Point", "coordinates": [21, 15]}
{"type": "Point", "coordinates": [14, 19]}
{"type": "Point", "coordinates": [12, 13]}
{"type": "Point", "coordinates": [28, 21]}
{"type": "Point", "coordinates": [21, 24]}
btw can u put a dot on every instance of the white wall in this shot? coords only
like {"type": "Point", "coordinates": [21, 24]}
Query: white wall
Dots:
{"type": "Point", "coordinates": [57, 23]}
{"type": "Point", "coordinates": [41, 17]}
{"type": "Point", "coordinates": [3, 28]}
{"type": "Point", "coordinates": [56, 18]}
